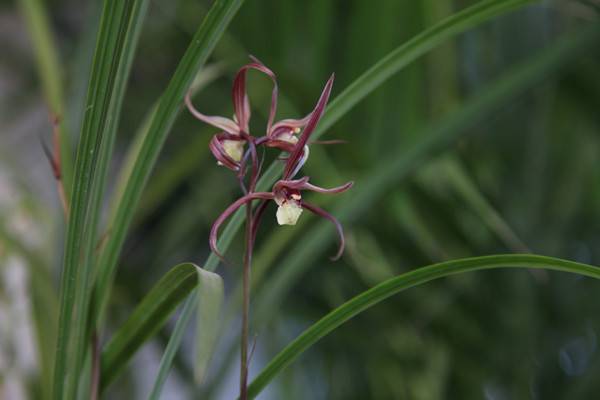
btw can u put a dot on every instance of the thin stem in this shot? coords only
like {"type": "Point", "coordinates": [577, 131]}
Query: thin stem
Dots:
{"type": "Point", "coordinates": [246, 304]}
{"type": "Point", "coordinates": [95, 384]}
{"type": "Point", "coordinates": [54, 158]}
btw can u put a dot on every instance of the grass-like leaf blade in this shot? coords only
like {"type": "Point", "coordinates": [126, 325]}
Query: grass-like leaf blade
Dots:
{"type": "Point", "coordinates": [76, 271]}
{"type": "Point", "coordinates": [388, 288]}
{"type": "Point", "coordinates": [152, 313]}
{"type": "Point", "coordinates": [174, 342]}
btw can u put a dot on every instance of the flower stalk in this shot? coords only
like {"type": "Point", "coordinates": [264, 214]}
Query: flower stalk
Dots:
{"type": "Point", "coordinates": [54, 156]}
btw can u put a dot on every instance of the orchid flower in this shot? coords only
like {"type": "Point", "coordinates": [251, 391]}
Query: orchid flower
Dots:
{"type": "Point", "coordinates": [287, 192]}
{"type": "Point", "coordinates": [228, 145]}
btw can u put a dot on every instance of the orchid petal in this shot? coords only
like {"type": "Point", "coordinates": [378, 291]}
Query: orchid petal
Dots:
{"type": "Point", "coordinates": [295, 184]}
{"type": "Point", "coordinates": [301, 161]}
{"type": "Point", "coordinates": [322, 213]}
{"type": "Point", "coordinates": [240, 98]}
{"type": "Point", "coordinates": [214, 231]}
{"type": "Point", "coordinates": [303, 184]}
{"type": "Point", "coordinates": [281, 145]}
{"type": "Point", "coordinates": [223, 123]}
{"type": "Point", "coordinates": [337, 189]}
{"type": "Point", "coordinates": [220, 153]}
{"type": "Point", "coordinates": [308, 130]}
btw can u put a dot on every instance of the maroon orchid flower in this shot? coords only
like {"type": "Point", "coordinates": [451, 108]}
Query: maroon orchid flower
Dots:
{"type": "Point", "coordinates": [287, 192]}
{"type": "Point", "coordinates": [228, 146]}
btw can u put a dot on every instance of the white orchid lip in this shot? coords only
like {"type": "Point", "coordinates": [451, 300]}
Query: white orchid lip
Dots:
{"type": "Point", "coordinates": [288, 212]}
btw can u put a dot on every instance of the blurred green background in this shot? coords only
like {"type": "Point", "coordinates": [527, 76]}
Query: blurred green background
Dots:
{"type": "Point", "coordinates": [521, 176]}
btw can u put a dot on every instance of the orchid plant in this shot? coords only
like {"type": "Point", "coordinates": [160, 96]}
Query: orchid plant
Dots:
{"type": "Point", "coordinates": [236, 149]}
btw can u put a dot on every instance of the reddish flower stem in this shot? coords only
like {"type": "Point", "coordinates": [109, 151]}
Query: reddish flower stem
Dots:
{"type": "Point", "coordinates": [95, 374]}
{"type": "Point", "coordinates": [246, 303]}
{"type": "Point", "coordinates": [53, 156]}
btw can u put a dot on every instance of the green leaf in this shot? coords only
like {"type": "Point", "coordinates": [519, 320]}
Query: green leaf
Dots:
{"type": "Point", "coordinates": [172, 347]}
{"type": "Point", "coordinates": [152, 313]}
{"type": "Point", "coordinates": [114, 111]}
{"type": "Point", "coordinates": [209, 309]}
{"type": "Point", "coordinates": [388, 288]}
{"type": "Point", "coordinates": [116, 21]}
{"type": "Point", "coordinates": [373, 78]}
{"type": "Point", "coordinates": [203, 42]}
{"type": "Point", "coordinates": [209, 312]}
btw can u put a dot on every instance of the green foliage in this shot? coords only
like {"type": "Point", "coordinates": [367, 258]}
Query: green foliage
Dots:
{"type": "Point", "coordinates": [153, 311]}
{"type": "Point", "coordinates": [84, 203]}
{"type": "Point", "coordinates": [395, 285]}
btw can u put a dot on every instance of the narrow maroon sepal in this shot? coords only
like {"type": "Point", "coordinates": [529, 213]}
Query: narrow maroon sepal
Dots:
{"type": "Point", "coordinates": [240, 98]}
{"type": "Point", "coordinates": [316, 115]}
{"type": "Point", "coordinates": [322, 213]}
{"type": "Point", "coordinates": [225, 124]}
{"type": "Point", "coordinates": [214, 231]}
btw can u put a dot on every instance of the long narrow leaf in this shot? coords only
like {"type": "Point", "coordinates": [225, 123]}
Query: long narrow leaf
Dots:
{"type": "Point", "coordinates": [152, 313]}
{"type": "Point", "coordinates": [174, 342]}
{"type": "Point", "coordinates": [395, 285]}
{"type": "Point", "coordinates": [76, 266]}
{"type": "Point", "coordinates": [208, 299]}
{"type": "Point", "coordinates": [122, 75]}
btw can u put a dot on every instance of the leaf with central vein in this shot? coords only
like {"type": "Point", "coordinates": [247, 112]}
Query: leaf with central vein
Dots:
{"type": "Point", "coordinates": [373, 78]}
{"type": "Point", "coordinates": [384, 290]}
{"type": "Point", "coordinates": [203, 42]}
{"type": "Point", "coordinates": [152, 313]}
{"type": "Point", "coordinates": [76, 269]}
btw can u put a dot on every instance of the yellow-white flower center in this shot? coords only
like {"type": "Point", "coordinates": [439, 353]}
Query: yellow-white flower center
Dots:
{"type": "Point", "coordinates": [288, 137]}
{"type": "Point", "coordinates": [234, 149]}
{"type": "Point", "coordinates": [288, 213]}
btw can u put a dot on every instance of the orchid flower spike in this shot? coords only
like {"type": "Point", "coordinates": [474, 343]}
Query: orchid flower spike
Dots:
{"type": "Point", "coordinates": [287, 192]}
